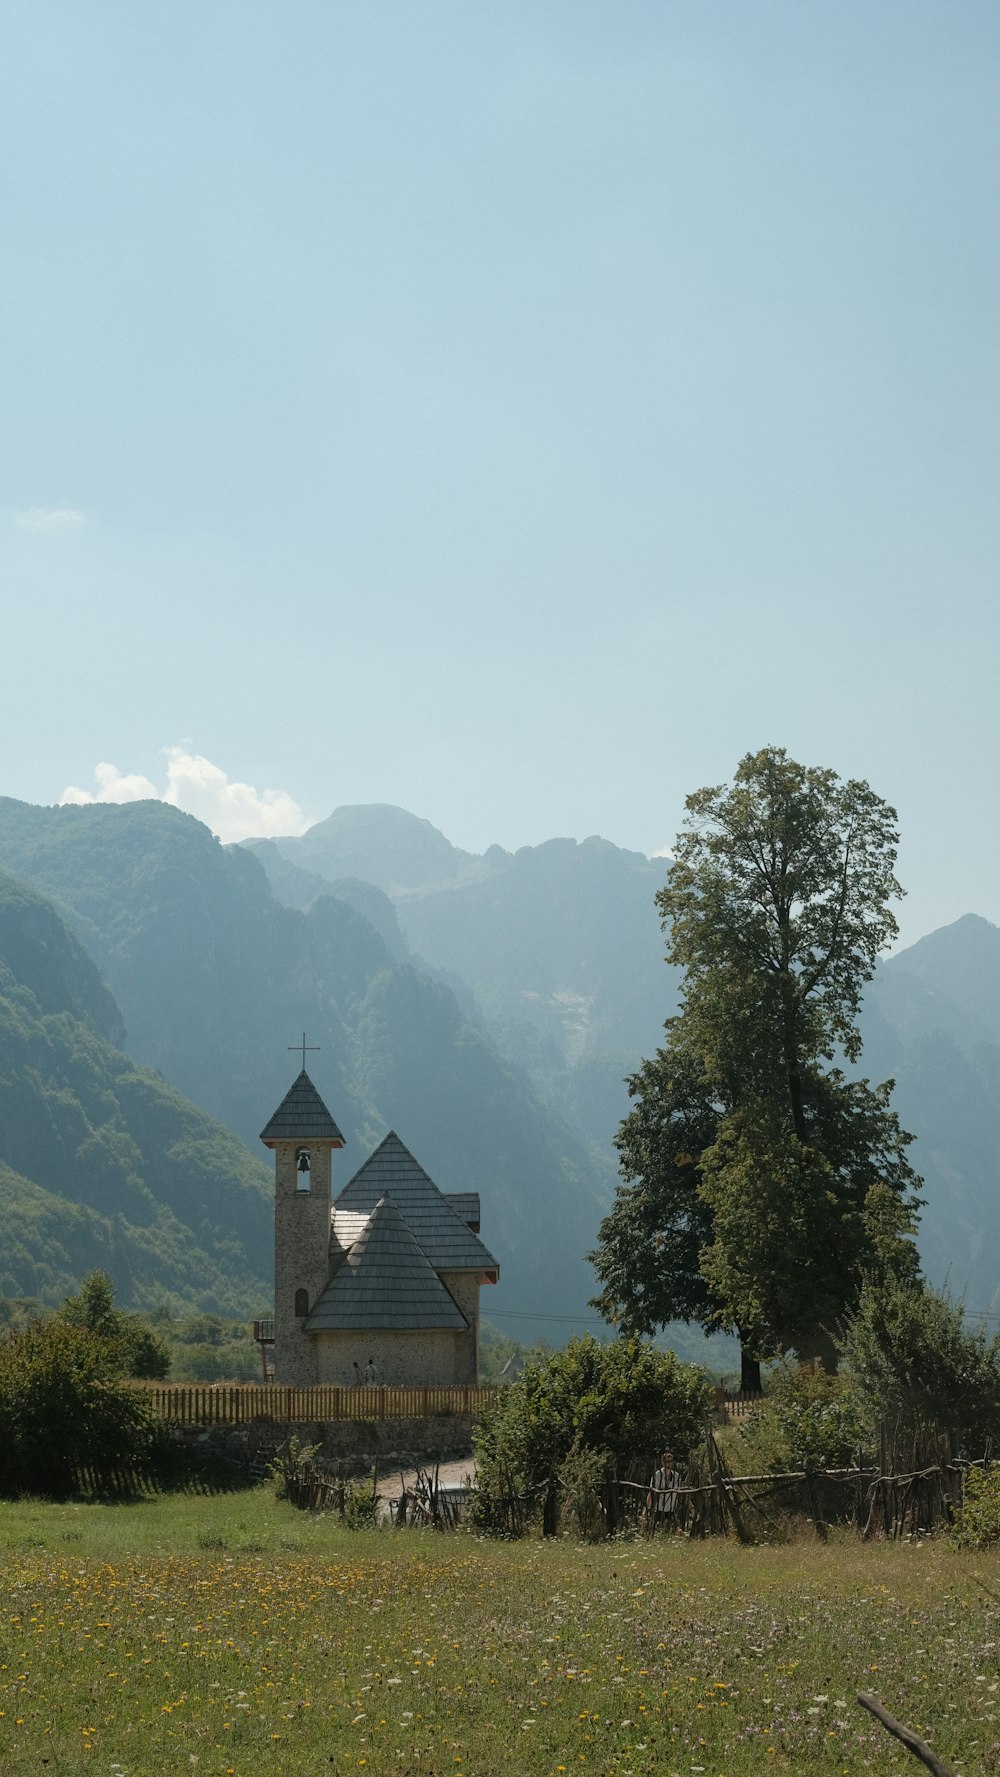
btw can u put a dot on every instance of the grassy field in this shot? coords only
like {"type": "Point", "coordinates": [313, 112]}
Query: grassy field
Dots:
{"type": "Point", "coordinates": [231, 1635]}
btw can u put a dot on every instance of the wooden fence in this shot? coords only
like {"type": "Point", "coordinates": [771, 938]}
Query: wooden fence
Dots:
{"type": "Point", "coordinates": [195, 1403]}
{"type": "Point", "coordinates": [874, 1504]}
{"type": "Point", "coordinates": [313, 1487]}
{"type": "Point", "coordinates": [915, 1486]}
{"type": "Point", "coordinates": [736, 1406]}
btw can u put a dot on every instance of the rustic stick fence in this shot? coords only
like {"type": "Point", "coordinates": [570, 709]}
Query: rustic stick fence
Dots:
{"type": "Point", "coordinates": [315, 1487]}
{"type": "Point", "coordinates": [914, 1487]}
{"type": "Point", "coordinates": [714, 1501]}
{"type": "Point", "coordinates": [185, 1403]}
{"type": "Point", "coordinates": [426, 1502]}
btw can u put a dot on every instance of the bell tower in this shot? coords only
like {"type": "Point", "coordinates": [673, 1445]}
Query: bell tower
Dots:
{"type": "Point", "coordinates": [303, 1135]}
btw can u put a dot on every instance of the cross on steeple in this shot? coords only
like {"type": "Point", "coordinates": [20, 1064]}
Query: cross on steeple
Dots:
{"type": "Point", "coordinates": [312, 1047]}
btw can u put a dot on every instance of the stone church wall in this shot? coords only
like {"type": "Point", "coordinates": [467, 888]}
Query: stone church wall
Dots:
{"type": "Point", "coordinates": [463, 1287]}
{"type": "Point", "coordinates": [405, 1358]}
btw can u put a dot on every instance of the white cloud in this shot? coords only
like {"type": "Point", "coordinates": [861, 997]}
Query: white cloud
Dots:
{"type": "Point", "coordinates": [231, 809]}
{"type": "Point", "coordinates": [113, 786]}
{"type": "Point", "coordinates": [665, 851]}
{"type": "Point", "coordinates": [50, 518]}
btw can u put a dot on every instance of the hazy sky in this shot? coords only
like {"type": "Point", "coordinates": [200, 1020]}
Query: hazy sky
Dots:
{"type": "Point", "coordinates": [514, 412]}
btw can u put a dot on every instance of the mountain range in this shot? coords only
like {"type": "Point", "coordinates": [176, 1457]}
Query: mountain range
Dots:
{"type": "Point", "coordinates": [214, 979]}
{"type": "Point", "coordinates": [559, 943]}
{"type": "Point", "coordinates": [154, 983]}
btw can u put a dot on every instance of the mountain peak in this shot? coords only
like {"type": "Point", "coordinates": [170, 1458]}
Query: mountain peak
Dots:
{"type": "Point", "coordinates": [960, 961]}
{"type": "Point", "coordinates": [965, 935]}
{"type": "Point", "coordinates": [399, 852]}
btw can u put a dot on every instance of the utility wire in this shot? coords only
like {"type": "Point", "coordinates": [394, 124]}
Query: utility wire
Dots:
{"type": "Point", "coordinates": [527, 1314]}
{"type": "Point", "coordinates": [590, 1321]}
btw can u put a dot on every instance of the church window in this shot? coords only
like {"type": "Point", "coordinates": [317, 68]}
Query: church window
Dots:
{"type": "Point", "coordinates": [301, 1304]}
{"type": "Point", "coordinates": [303, 1169]}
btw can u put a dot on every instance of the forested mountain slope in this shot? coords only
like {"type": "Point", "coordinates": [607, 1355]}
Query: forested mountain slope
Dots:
{"type": "Point", "coordinates": [215, 980]}
{"type": "Point", "coordinates": [101, 1163]}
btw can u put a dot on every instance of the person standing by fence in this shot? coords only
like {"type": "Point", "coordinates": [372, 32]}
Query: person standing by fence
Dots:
{"type": "Point", "coordinates": [661, 1500]}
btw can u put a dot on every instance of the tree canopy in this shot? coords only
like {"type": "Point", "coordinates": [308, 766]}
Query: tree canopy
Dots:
{"type": "Point", "coordinates": [132, 1346]}
{"type": "Point", "coordinates": [761, 1183]}
{"type": "Point", "coordinates": [649, 1258]}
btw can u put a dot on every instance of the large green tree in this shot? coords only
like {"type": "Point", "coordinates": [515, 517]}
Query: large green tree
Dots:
{"type": "Point", "coordinates": [649, 1259]}
{"type": "Point", "coordinates": [746, 1138]}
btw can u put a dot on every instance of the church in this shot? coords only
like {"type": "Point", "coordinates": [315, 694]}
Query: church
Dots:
{"type": "Point", "coordinates": [390, 1270]}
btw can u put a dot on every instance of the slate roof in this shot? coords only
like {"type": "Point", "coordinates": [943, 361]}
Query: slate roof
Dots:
{"type": "Point", "coordinates": [345, 1227]}
{"type": "Point", "coordinates": [443, 1236]}
{"type": "Point", "coordinates": [466, 1205]}
{"type": "Point", "coordinates": [302, 1116]}
{"type": "Point", "coordinates": [385, 1282]}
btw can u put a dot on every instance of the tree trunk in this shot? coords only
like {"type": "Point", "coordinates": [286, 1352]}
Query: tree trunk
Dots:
{"type": "Point", "coordinates": [792, 1062]}
{"type": "Point", "coordinates": [820, 1346]}
{"type": "Point", "coordinates": [750, 1382]}
{"type": "Point", "coordinates": [550, 1509]}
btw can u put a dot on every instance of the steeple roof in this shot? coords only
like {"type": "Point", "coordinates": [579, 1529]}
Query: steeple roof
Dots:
{"type": "Point", "coordinates": [443, 1236]}
{"type": "Point", "coordinates": [302, 1116]}
{"type": "Point", "coordinates": [385, 1282]}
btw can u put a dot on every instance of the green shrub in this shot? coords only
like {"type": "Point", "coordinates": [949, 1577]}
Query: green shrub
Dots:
{"type": "Point", "coordinates": [624, 1400]}
{"type": "Point", "coordinates": [361, 1503]}
{"type": "Point", "coordinates": [134, 1346]}
{"type": "Point", "coordinates": [979, 1521]}
{"type": "Point", "coordinates": [583, 1479]}
{"type": "Point", "coordinates": [291, 1467]}
{"type": "Point", "coordinates": [69, 1421]}
{"type": "Point", "coordinates": [816, 1418]}
{"type": "Point", "coordinates": [918, 1367]}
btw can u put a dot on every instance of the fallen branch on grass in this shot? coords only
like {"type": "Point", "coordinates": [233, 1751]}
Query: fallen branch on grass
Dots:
{"type": "Point", "coordinates": [908, 1738]}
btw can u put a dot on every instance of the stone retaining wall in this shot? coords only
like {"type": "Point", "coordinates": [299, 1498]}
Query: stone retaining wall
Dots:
{"type": "Point", "coordinates": [350, 1445]}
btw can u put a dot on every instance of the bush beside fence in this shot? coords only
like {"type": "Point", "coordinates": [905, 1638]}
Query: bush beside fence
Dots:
{"type": "Point", "coordinates": [186, 1403]}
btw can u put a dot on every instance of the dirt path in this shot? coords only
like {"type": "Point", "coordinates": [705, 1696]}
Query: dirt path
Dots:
{"type": "Point", "coordinates": [450, 1474]}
